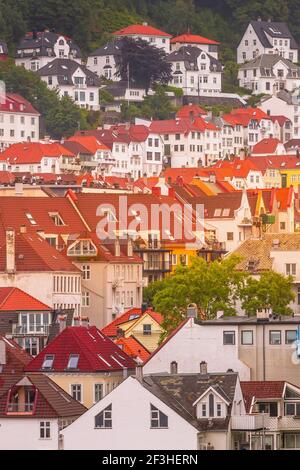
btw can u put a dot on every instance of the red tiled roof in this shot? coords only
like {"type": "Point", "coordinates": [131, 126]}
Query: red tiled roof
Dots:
{"type": "Point", "coordinates": [280, 119]}
{"type": "Point", "coordinates": [111, 329]}
{"type": "Point", "coordinates": [190, 110]}
{"type": "Point", "coordinates": [181, 126]}
{"type": "Point", "coordinates": [96, 352]}
{"type": "Point", "coordinates": [254, 113]}
{"type": "Point", "coordinates": [133, 348]}
{"type": "Point", "coordinates": [192, 39]}
{"type": "Point", "coordinates": [14, 103]}
{"type": "Point", "coordinates": [266, 146]}
{"type": "Point", "coordinates": [12, 298]}
{"type": "Point", "coordinates": [141, 30]}
{"type": "Point", "coordinates": [260, 390]}
{"type": "Point", "coordinates": [89, 142]}
{"type": "Point", "coordinates": [33, 152]}
{"type": "Point", "coordinates": [276, 162]}
{"type": "Point", "coordinates": [235, 168]}
{"type": "Point", "coordinates": [6, 177]}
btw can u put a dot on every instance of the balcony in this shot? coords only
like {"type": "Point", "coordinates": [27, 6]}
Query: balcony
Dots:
{"type": "Point", "coordinates": [70, 167]}
{"type": "Point", "coordinates": [33, 330]}
{"type": "Point", "coordinates": [247, 422]}
{"type": "Point", "coordinates": [80, 86]}
{"type": "Point", "coordinates": [245, 222]}
{"type": "Point", "coordinates": [20, 408]}
{"type": "Point", "coordinates": [283, 423]}
{"type": "Point", "coordinates": [157, 266]}
{"type": "Point", "coordinates": [89, 164]}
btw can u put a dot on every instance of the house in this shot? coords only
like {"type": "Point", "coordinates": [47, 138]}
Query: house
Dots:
{"type": "Point", "coordinates": [37, 157]}
{"type": "Point", "coordinates": [283, 128]}
{"type": "Point", "coordinates": [147, 33]}
{"type": "Point", "coordinates": [194, 40]}
{"type": "Point", "coordinates": [268, 74]}
{"type": "Point", "coordinates": [278, 252]}
{"type": "Point", "coordinates": [279, 401]}
{"type": "Point", "coordinates": [256, 125]}
{"type": "Point", "coordinates": [257, 348]}
{"type": "Point", "coordinates": [292, 147]}
{"type": "Point", "coordinates": [286, 103]}
{"type": "Point", "coordinates": [36, 49]}
{"type": "Point", "coordinates": [74, 80]}
{"type": "Point", "coordinates": [267, 37]}
{"type": "Point", "coordinates": [242, 174]}
{"type": "Point", "coordinates": [279, 171]}
{"type": "Point", "coordinates": [269, 146]}
{"type": "Point", "coordinates": [158, 420]}
{"type": "Point", "coordinates": [143, 324]}
{"type": "Point", "coordinates": [33, 409]}
{"type": "Point", "coordinates": [122, 91]}
{"type": "Point", "coordinates": [103, 60]}
{"type": "Point", "coordinates": [133, 348]}
{"type": "Point", "coordinates": [19, 120]}
{"type": "Point", "coordinates": [195, 71]}
{"type": "Point", "coordinates": [84, 362]}
{"type": "Point", "coordinates": [3, 51]}
{"type": "Point", "coordinates": [190, 111]}
{"type": "Point", "coordinates": [95, 157]}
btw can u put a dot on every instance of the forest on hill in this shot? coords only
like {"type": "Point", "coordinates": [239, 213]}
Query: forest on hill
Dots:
{"type": "Point", "coordinates": [89, 22]}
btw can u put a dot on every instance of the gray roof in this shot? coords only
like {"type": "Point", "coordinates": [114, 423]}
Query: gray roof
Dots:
{"type": "Point", "coordinates": [274, 30]}
{"type": "Point", "coordinates": [118, 89]}
{"type": "Point", "coordinates": [266, 62]}
{"type": "Point", "coordinates": [180, 391]}
{"type": "Point", "coordinates": [44, 41]}
{"type": "Point", "coordinates": [111, 48]}
{"type": "Point", "coordinates": [64, 69]}
{"type": "Point", "coordinates": [244, 320]}
{"type": "Point", "coordinates": [4, 47]}
{"type": "Point", "coordinates": [189, 55]}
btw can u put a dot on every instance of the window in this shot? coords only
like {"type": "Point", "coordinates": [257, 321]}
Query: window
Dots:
{"type": "Point", "coordinates": [203, 411]}
{"type": "Point", "coordinates": [219, 409]}
{"type": "Point", "coordinates": [228, 337]}
{"type": "Point", "coordinates": [247, 337]}
{"type": "Point", "coordinates": [104, 419]}
{"type": "Point", "coordinates": [73, 361]}
{"type": "Point", "coordinates": [275, 337]}
{"type": "Point", "coordinates": [282, 225]}
{"type": "Point", "coordinates": [98, 392]}
{"type": "Point", "coordinates": [290, 269]}
{"type": "Point", "coordinates": [76, 392]}
{"type": "Point", "coordinates": [48, 361]}
{"type": "Point", "coordinates": [291, 441]}
{"type": "Point", "coordinates": [86, 269]}
{"type": "Point", "coordinates": [85, 299]}
{"type": "Point", "coordinates": [290, 336]}
{"type": "Point", "coordinates": [229, 236]}
{"type": "Point", "coordinates": [158, 418]}
{"type": "Point", "coordinates": [58, 221]}
{"type": "Point", "coordinates": [211, 405]}
{"type": "Point", "coordinates": [147, 330]}
{"type": "Point", "coordinates": [292, 409]}
{"type": "Point", "coordinates": [45, 430]}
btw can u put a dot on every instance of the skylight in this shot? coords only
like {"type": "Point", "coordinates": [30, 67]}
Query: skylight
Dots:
{"type": "Point", "coordinates": [48, 361]}
{"type": "Point", "coordinates": [226, 212]}
{"type": "Point", "coordinates": [134, 316]}
{"type": "Point", "coordinates": [218, 213]}
{"type": "Point", "coordinates": [73, 361]}
{"type": "Point", "coordinates": [30, 218]}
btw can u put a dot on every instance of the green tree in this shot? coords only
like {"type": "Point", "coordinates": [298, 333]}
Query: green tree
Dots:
{"type": "Point", "coordinates": [271, 290]}
{"type": "Point", "coordinates": [144, 64]}
{"type": "Point", "coordinates": [212, 287]}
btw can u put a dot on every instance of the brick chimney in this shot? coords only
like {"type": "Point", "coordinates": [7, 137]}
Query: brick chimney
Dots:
{"type": "Point", "coordinates": [10, 251]}
{"type": "Point", "coordinates": [2, 353]}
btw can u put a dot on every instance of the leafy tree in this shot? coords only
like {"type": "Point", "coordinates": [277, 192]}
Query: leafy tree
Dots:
{"type": "Point", "coordinates": [212, 287]}
{"type": "Point", "coordinates": [272, 290]}
{"type": "Point", "coordinates": [142, 63]}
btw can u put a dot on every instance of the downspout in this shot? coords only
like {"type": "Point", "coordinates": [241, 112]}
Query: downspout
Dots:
{"type": "Point", "coordinates": [264, 355]}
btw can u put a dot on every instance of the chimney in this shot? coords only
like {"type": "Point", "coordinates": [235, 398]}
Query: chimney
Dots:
{"type": "Point", "coordinates": [76, 321]}
{"type": "Point", "coordinates": [85, 321]}
{"type": "Point", "coordinates": [144, 307]}
{"type": "Point", "coordinates": [259, 18]}
{"type": "Point", "coordinates": [120, 333]}
{"type": "Point", "coordinates": [62, 321]}
{"type": "Point", "coordinates": [129, 248]}
{"type": "Point", "coordinates": [23, 229]}
{"type": "Point", "coordinates": [174, 368]}
{"type": "Point", "coordinates": [139, 372]}
{"type": "Point", "coordinates": [192, 311]}
{"type": "Point", "coordinates": [117, 247]}
{"type": "Point", "coordinates": [10, 251]}
{"type": "Point", "coordinates": [19, 189]}
{"type": "Point", "coordinates": [2, 353]}
{"type": "Point", "coordinates": [203, 368]}
{"type": "Point", "coordinates": [263, 314]}
{"type": "Point", "coordinates": [242, 154]}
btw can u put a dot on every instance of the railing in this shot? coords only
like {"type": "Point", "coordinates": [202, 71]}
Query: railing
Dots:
{"type": "Point", "coordinates": [282, 423]}
{"type": "Point", "coordinates": [247, 422]}
{"type": "Point", "coordinates": [245, 222]}
{"type": "Point", "coordinates": [30, 329]}
{"type": "Point", "coordinates": [70, 166]}
{"type": "Point", "coordinates": [157, 266]}
{"type": "Point", "coordinates": [20, 407]}
{"type": "Point", "coordinates": [80, 85]}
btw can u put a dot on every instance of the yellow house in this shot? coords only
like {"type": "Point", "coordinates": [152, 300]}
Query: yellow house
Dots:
{"type": "Point", "coordinates": [84, 363]}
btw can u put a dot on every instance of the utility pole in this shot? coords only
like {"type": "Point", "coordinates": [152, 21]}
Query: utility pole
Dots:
{"type": "Point", "coordinates": [128, 82]}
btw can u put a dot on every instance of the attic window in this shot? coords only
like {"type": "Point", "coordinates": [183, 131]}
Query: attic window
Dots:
{"type": "Point", "coordinates": [73, 361]}
{"type": "Point", "coordinates": [48, 361]}
{"type": "Point", "coordinates": [251, 265]}
{"type": "Point", "coordinates": [158, 419]}
{"type": "Point", "coordinates": [108, 213]}
{"type": "Point", "coordinates": [226, 212]}
{"type": "Point", "coordinates": [218, 213]}
{"type": "Point", "coordinates": [58, 221]}
{"type": "Point", "coordinates": [30, 218]}
{"type": "Point", "coordinates": [82, 248]}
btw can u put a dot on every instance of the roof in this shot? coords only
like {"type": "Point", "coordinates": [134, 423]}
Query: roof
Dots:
{"type": "Point", "coordinates": [279, 162]}
{"type": "Point", "coordinates": [12, 298]}
{"type": "Point", "coordinates": [252, 113]}
{"type": "Point", "coordinates": [33, 152]}
{"type": "Point", "coordinates": [43, 42]}
{"type": "Point", "coordinates": [97, 353]}
{"type": "Point", "coordinates": [141, 30]}
{"type": "Point", "coordinates": [110, 48]}
{"type": "Point", "coordinates": [91, 143]}
{"type": "Point", "coordinates": [261, 390]}
{"type": "Point", "coordinates": [190, 387]}
{"type": "Point", "coordinates": [51, 401]}
{"type": "Point", "coordinates": [280, 119]}
{"type": "Point", "coordinates": [16, 359]}
{"type": "Point", "coordinates": [274, 29]}
{"type": "Point", "coordinates": [129, 316]}
{"type": "Point", "coordinates": [192, 39]}
{"type": "Point", "coordinates": [133, 348]}
{"type": "Point", "coordinates": [190, 110]}
{"type": "Point", "coordinates": [292, 144]}
{"type": "Point", "coordinates": [181, 126]}
{"type": "Point", "coordinates": [268, 61]}
{"type": "Point", "coordinates": [266, 146]}
{"type": "Point", "coordinates": [14, 103]}
{"type": "Point", "coordinates": [64, 69]}
{"type": "Point", "coordinates": [259, 251]}
{"type": "Point", "coordinates": [189, 55]}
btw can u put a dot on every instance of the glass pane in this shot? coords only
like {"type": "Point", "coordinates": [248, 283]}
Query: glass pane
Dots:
{"type": "Point", "coordinates": [289, 441]}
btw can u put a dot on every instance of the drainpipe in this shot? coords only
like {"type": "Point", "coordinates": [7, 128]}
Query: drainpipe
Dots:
{"type": "Point", "coordinates": [264, 354]}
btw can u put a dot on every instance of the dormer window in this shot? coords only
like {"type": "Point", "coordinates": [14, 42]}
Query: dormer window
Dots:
{"type": "Point", "coordinates": [48, 361]}
{"type": "Point", "coordinates": [58, 221]}
{"type": "Point", "coordinates": [82, 248]}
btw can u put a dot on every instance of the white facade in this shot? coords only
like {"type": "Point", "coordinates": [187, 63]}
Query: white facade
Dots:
{"type": "Point", "coordinates": [276, 106]}
{"type": "Point", "coordinates": [18, 127]}
{"type": "Point", "coordinates": [251, 47]}
{"type": "Point", "coordinates": [24, 434]}
{"type": "Point", "coordinates": [232, 139]}
{"type": "Point", "coordinates": [103, 66]}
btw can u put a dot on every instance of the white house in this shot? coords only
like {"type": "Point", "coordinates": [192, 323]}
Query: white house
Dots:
{"type": "Point", "coordinates": [73, 80]}
{"type": "Point", "coordinates": [195, 71]}
{"type": "Point", "coordinates": [207, 45]}
{"type": "Point", "coordinates": [267, 37]}
{"type": "Point", "coordinates": [286, 104]}
{"type": "Point", "coordinates": [269, 74]}
{"type": "Point", "coordinates": [144, 413]}
{"type": "Point", "coordinates": [102, 61]}
{"type": "Point", "coordinates": [19, 121]}
{"type": "Point", "coordinates": [37, 49]}
{"type": "Point", "coordinates": [147, 33]}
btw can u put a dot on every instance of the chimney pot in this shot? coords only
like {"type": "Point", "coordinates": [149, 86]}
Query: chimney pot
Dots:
{"type": "Point", "coordinates": [203, 368]}
{"type": "Point", "coordinates": [23, 229]}
{"type": "Point", "coordinates": [139, 372]}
